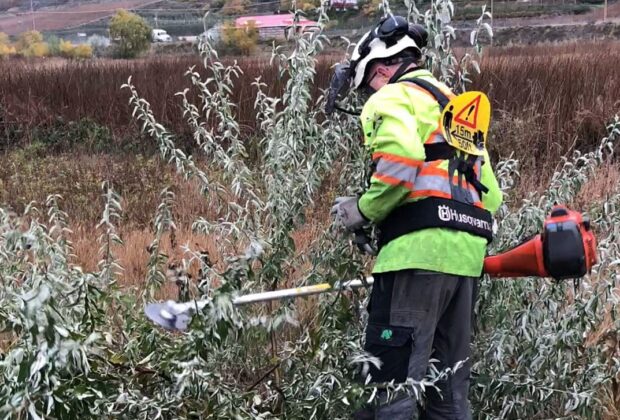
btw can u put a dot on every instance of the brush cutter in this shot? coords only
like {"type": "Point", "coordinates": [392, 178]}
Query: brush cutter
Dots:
{"type": "Point", "coordinates": [565, 249]}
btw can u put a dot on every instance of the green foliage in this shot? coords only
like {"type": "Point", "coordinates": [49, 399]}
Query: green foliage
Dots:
{"type": "Point", "coordinates": [5, 45]}
{"type": "Point", "coordinates": [65, 48]}
{"type": "Point", "coordinates": [53, 42]}
{"type": "Point", "coordinates": [131, 34]}
{"type": "Point", "coordinates": [82, 51]}
{"type": "Point", "coordinates": [28, 38]}
{"type": "Point", "coordinates": [83, 135]}
{"type": "Point", "coordinates": [68, 50]}
{"type": "Point", "coordinates": [31, 44]}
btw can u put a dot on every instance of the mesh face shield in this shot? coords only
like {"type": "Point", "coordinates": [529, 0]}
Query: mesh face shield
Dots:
{"type": "Point", "coordinates": [338, 87]}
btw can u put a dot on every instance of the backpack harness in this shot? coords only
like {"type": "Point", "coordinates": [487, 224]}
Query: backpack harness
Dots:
{"type": "Point", "coordinates": [439, 212]}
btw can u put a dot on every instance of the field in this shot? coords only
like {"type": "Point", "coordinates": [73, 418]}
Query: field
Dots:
{"type": "Point", "coordinates": [57, 140]}
{"type": "Point", "coordinates": [257, 203]}
{"type": "Point", "coordinates": [58, 18]}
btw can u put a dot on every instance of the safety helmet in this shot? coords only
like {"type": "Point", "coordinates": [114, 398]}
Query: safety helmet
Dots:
{"type": "Point", "coordinates": [391, 36]}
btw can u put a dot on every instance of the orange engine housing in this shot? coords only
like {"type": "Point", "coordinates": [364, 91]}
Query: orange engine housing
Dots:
{"type": "Point", "coordinates": [565, 249]}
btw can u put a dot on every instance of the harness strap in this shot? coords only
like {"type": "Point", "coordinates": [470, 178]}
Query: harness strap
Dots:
{"type": "Point", "coordinates": [441, 98]}
{"type": "Point", "coordinates": [435, 212]}
{"type": "Point", "coordinates": [441, 151]}
{"type": "Point", "coordinates": [470, 175]}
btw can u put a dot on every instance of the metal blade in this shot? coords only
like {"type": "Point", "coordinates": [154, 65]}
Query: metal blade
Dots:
{"type": "Point", "coordinates": [167, 316]}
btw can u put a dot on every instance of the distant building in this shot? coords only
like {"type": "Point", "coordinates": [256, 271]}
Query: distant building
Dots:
{"type": "Point", "coordinates": [275, 26]}
{"type": "Point", "coordinates": [343, 4]}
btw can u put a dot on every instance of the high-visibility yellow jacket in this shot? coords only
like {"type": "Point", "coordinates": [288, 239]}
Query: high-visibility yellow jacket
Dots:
{"type": "Point", "coordinates": [397, 121]}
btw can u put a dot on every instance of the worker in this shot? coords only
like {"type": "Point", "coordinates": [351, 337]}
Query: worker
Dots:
{"type": "Point", "coordinates": [433, 207]}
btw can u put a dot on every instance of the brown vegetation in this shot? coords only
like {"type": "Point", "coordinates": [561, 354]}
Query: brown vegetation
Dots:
{"type": "Point", "coordinates": [546, 99]}
{"type": "Point", "coordinates": [66, 127]}
{"type": "Point", "coordinates": [34, 95]}
{"type": "Point", "coordinates": [550, 100]}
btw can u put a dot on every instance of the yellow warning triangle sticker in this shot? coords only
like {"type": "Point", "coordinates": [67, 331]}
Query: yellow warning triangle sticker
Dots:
{"type": "Point", "coordinates": [465, 122]}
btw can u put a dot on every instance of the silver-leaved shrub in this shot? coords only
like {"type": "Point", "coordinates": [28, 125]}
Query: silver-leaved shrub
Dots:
{"type": "Point", "coordinates": [74, 345]}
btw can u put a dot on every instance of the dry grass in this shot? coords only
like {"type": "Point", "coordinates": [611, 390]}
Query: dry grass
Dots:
{"type": "Point", "coordinates": [33, 95]}
{"type": "Point", "coordinates": [547, 100]}
{"type": "Point", "coordinates": [133, 255]}
{"type": "Point", "coordinates": [600, 188]}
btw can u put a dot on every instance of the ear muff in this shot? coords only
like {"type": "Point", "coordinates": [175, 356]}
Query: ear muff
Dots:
{"type": "Point", "coordinates": [418, 34]}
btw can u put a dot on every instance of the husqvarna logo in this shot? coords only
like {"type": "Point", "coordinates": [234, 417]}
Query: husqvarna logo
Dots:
{"type": "Point", "coordinates": [447, 214]}
{"type": "Point", "coordinates": [444, 213]}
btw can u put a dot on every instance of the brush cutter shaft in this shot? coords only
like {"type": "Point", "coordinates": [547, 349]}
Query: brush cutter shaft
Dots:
{"type": "Point", "coordinates": [295, 292]}
{"type": "Point", "coordinates": [565, 249]}
{"type": "Point", "coordinates": [191, 306]}
{"type": "Point", "coordinates": [300, 291]}
{"type": "Point", "coordinates": [176, 316]}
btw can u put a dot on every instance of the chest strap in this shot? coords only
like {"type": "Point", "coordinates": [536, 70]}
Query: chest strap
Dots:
{"type": "Point", "coordinates": [435, 212]}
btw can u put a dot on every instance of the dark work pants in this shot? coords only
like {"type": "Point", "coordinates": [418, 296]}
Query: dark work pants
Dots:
{"type": "Point", "coordinates": [414, 316]}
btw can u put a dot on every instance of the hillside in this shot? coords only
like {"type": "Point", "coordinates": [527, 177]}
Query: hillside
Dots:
{"type": "Point", "coordinates": [184, 18]}
{"type": "Point", "coordinates": [62, 14]}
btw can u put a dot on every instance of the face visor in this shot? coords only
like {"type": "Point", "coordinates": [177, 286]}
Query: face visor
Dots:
{"type": "Point", "coordinates": [338, 89]}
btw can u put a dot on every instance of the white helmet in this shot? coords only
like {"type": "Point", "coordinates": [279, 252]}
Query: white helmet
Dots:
{"type": "Point", "coordinates": [391, 36]}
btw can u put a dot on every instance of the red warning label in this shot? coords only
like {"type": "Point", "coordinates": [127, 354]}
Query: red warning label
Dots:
{"type": "Point", "coordinates": [468, 116]}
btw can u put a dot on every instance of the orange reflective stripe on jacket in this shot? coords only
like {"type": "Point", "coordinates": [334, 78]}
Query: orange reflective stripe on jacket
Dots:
{"type": "Point", "coordinates": [435, 137]}
{"type": "Point", "coordinates": [396, 170]}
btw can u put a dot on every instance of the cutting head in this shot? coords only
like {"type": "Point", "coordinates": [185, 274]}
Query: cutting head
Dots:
{"type": "Point", "coordinates": [168, 315]}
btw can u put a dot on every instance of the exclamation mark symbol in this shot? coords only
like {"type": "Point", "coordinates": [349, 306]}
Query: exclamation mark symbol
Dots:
{"type": "Point", "coordinates": [471, 109]}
